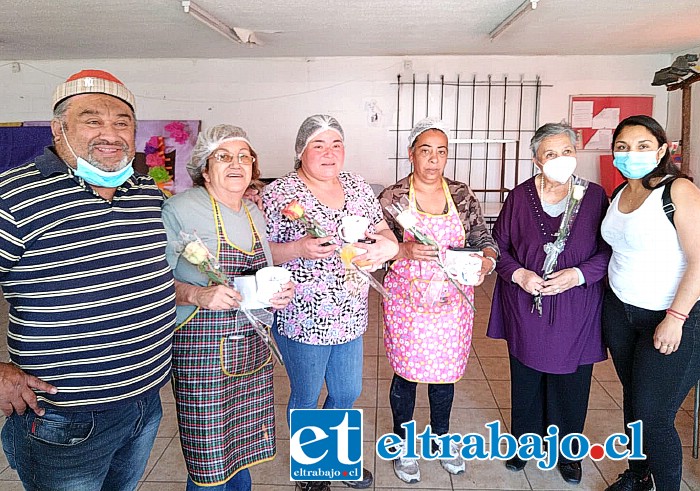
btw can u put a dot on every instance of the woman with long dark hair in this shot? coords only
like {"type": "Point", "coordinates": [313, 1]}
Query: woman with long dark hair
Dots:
{"type": "Point", "coordinates": [651, 313]}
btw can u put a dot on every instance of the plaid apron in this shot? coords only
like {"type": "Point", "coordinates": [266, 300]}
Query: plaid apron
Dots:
{"type": "Point", "coordinates": [222, 376]}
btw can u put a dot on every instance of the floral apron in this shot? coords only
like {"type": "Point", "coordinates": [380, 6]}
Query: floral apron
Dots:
{"type": "Point", "coordinates": [222, 375]}
{"type": "Point", "coordinates": [428, 325]}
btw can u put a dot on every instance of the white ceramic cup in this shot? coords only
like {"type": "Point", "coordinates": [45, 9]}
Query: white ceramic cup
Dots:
{"type": "Point", "coordinates": [270, 280]}
{"type": "Point", "coordinates": [352, 228]}
{"type": "Point", "coordinates": [464, 266]}
{"type": "Point", "coordinates": [247, 288]}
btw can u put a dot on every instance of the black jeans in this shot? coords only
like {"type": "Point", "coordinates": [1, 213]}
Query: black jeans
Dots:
{"type": "Point", "coordinates": [541, 399]}
{"type": "Point", "coordinates": [653, 385]}
{"type": "Point", "coordinates": [402, 397]}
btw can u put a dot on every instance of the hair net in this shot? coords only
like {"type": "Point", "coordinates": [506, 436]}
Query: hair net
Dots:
{"type": "Point", "coordinates": [311, 127]}
{"type": "Point", "coordinates": [424, 125]}
{"type": "Point", "coordinates": [209, 140]}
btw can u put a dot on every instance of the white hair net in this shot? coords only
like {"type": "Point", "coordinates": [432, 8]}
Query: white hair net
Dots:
{"type": "Point", "coordinates": [310, 128]}
{"type": "Point", "coordinates": [209, 140]}
{"type": "Point", "coordinates": [424, 125]}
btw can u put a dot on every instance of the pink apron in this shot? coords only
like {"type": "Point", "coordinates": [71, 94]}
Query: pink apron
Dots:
{"type": "Point", "coordinates": [428, 325]}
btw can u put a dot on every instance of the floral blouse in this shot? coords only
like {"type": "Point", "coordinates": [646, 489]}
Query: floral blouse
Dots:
{"type": "Point", "coordinates": [324, 310]}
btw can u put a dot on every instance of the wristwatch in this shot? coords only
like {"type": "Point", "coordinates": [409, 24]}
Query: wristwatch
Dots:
{"type": "Point", "coordinates": [493, 260]}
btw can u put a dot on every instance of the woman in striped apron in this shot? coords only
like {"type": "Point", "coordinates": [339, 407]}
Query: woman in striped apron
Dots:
{"type": "Point", "coordinates": [222, 369]}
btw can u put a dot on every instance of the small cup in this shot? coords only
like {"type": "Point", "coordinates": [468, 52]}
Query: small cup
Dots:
{"type": "Point", "coordinates": [352, 228]}
{"type": "Point", "coordinates": [270, 280]}
{"type": "Point", "coordinates": [464, 266]}
{"type": "Point", "coordinates": [246, 287]}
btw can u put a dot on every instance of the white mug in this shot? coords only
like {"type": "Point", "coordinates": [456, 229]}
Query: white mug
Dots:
{"type": "Point", "coordinates": [464, 266]}
{"type": "Point", "coordinates": [246, 287]}
{"type": "Point", "coordinates": [270, 280]}
{"type": "Point", "coordinates": [352, 228]}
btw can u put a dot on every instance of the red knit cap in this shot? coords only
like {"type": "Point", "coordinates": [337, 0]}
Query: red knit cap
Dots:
{"type": "Point", "coordinates": [93, 81]}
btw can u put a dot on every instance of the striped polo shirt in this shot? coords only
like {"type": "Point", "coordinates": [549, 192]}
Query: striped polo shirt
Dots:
{"type": "Point", "coordinates": [92, 300]}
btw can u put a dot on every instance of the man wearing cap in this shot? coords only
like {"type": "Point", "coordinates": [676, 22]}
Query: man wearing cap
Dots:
{"type": "Point", "coordinates": [92, 301]}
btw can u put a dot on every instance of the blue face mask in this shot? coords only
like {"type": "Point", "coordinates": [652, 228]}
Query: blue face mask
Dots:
{"type": "Point", "coordinates": [635, 165]}
{"type": "Point", "coordinates": [98, 177]}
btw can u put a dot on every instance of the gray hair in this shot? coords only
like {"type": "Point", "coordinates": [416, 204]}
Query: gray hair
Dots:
{"type": "Point", "coordinates": [551, 129]}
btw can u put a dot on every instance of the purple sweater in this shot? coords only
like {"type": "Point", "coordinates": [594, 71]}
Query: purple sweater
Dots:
{"type": "Point", "coordinates": [569, 332]}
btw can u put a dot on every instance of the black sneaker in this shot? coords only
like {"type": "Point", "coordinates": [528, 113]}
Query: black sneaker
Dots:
{"type": "Point", "coordinates": [313, 486]}
{"type": "Point", "coordinates": [630, 481]}
{"type": "Point", "coordinates": [364, 483]}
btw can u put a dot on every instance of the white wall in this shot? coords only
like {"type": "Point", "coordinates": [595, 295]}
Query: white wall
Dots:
{"type": "Point", "coordinates": [675, 118]}
{"type": "Point", "coordinates": [270, 97]}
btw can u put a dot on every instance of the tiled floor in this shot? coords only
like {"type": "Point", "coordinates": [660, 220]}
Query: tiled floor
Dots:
{"type": "Point", "coordinates": [482, 396]}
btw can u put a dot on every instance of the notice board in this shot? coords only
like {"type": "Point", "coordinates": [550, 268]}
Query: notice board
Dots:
{"type": "Point", "coordinates": [594, 117]}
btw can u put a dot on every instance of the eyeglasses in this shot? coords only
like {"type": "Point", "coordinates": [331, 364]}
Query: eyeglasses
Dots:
{"type": "Point", "coordinates": [227, 158]}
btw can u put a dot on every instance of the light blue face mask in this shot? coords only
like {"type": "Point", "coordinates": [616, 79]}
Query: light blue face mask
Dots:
{"type": "Point", "coordinates": [635, 165]}
{"type": "Point", "coordinates": [99, 177]}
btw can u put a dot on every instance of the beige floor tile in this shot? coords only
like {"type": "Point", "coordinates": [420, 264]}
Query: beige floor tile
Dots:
{"type": "Point", "coordinates": [495, 368]}
{"type": "Point", "coordinates": [501, 391]}
{"type": "Point", "coordinates": [166, 394]}
{"type": "Point", "coordinates": [474, 370]}
{"type": "Point", "coordinates": [369, 366]}
{"type": "Point", "coordinates": [157, 451]}
{"type": "Point", "coordinates": [276, 471]}
{"type": "Point", "coordinates": [168, 424]}
{"type": "Point", "coordinates": [8, 475]}
{"type": "Point", "coordinates": [474, 394]}
{"type": "Point", "coordinates": [11, 486]}
{"type": "Point", "coordinates": [614, 390]}
{"type": "Point", "coordinates": [600, 399]}
{"type": "Point", "coordinates": [689, 401]}
{"type": "Point", "coordinates": [490, 347]}
{"type": "Point", "coordinates": [604, 371]}
{"type": "Point", "coordinates": [162, 486]}
{"type": "Point", "coordinates": [170, 467]}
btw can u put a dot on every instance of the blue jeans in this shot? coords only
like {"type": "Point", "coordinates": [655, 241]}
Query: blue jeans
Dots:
{"type": "Point", "coordinates": [308, 365]}
{"type": "Point", "coordinates": [239, 482]}
{"type": "Point", "coordinates": [83, 451]}
{"type": "Point", "coordinates": [653, 385]}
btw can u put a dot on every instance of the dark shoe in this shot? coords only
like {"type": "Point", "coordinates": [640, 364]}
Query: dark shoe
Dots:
{"type": "Point", "coordinates": [313, 486]}
{"type": "Point", "coordinates": [366, 481]}
{"type": "Point", "coordinates": [570, 471]}
{"type": "Point", "coordinates": [515, 464]}
{"type": "Point", "coordinates": [630, 481]}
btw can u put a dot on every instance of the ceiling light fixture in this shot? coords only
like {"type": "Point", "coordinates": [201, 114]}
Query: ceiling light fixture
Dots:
{"type": "Point", "coordinates": [210, 21]}
{"type": "Point", "coordinates": [524, 7]}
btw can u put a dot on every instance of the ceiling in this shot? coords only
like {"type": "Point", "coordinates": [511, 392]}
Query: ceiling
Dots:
{"type": "Point", "coordinates": [90, 29]}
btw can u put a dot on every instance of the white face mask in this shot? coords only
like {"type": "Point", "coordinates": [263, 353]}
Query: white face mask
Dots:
{"type": "Point", "coordinates": [560, 169]}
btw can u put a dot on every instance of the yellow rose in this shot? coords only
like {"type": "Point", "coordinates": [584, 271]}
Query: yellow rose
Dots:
{"type": "Point", "coordinates": [196, 253]}
{"type": "Point", "coordinates": [293, 210]}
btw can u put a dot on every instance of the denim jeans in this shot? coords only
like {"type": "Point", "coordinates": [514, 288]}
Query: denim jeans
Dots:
{"type": "Point", "coordinates": [653, 385]}
{"type": "Point", "coordinates": [402, 397]}
{"type": "Point", "coordinates": [241, 481]}
{"type": "Point", "coordinates": [83, 451]}
{"type": "Point", "coordinates": [308, 365]}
